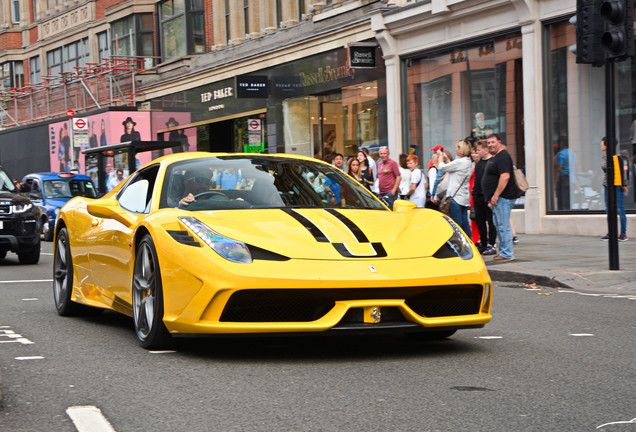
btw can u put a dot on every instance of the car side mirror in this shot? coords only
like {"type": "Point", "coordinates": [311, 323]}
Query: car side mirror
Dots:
{"type": "Point", "coordinates": [110, 209]}
{"type": "Point", "coordinates": [401, 205]}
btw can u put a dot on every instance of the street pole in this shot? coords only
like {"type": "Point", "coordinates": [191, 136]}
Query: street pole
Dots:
{"type": "Point", "coordinates": [610, 146]}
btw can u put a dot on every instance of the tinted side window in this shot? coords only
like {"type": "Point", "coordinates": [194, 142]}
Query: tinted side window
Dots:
{"type": "Point", "coordinates": [137, 193]}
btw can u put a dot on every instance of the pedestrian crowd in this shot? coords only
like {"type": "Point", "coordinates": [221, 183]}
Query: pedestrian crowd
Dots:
{"type": "Point", "coordinates": [475, 187]}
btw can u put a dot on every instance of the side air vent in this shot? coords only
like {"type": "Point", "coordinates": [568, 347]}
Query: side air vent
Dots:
{"type": "Point", "coordinates": [184, 238]}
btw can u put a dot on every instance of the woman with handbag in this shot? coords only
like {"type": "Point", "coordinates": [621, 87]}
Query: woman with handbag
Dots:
{"type": "Point", "coordinates": [458, 172]}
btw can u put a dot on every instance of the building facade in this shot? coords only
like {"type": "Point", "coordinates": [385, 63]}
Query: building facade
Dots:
{"type": "Point", "coordinates": [315, 77]}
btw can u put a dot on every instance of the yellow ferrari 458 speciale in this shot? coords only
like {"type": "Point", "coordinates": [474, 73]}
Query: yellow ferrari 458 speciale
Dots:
{"type": "Point", "coordinates": [205, 243]}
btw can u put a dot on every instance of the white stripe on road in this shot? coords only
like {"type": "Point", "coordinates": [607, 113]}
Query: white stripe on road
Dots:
{"type": "Point", "coordinates": [30, 299]}
{"type": "Point", "coordinates": [30, 358]}
{"type": "Point", "coordinates": [26, 281]}
{"type": "Point", "coordinates": [89, 419]}
{"type": "Point", "coordinates": [581, 334]}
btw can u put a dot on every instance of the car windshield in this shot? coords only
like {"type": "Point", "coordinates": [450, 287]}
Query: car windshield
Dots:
{"type": "Point", "coordinates": [243, 182]}
{"type": "Point", "coordinates": [69, 188]}
{"type": "Point", "coordinates": [5, 182]}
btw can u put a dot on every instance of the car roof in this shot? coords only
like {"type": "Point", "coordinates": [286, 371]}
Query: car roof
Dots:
{"type": "Point", "coordinates": [58, 176]}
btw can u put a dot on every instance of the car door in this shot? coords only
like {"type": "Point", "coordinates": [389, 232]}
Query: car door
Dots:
{"type": "Point", "coordinates": [110, 255]}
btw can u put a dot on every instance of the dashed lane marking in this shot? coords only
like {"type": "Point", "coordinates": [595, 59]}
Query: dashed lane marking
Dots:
{"type": "Point", "coordinates": [29, 358]}
{"type": "Point", "coordinates": [89, 419]}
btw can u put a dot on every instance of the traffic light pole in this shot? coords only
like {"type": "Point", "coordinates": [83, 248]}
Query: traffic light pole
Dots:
{"type": "Point", "coordinates": [610, 146]}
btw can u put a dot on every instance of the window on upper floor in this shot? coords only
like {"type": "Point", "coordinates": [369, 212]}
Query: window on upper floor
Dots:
{"type": "Point", "coordinates": [182, 28]}
{"type": "Point", "coordinates": [34, 72]}
{"type": "Point", "coordinates": [75, 55]}
{"type": "Point", "coordinates": [67, 58]}
{"type": "Point", "coordinates": [132, 36]}
{"type": "Point", "coordinates": [11, 74]}
{"type": "Point", "coordinates": [103, 46]}
{"type": "Point", "coordinates": [15, 11]}
{"type": "Point", "coordinates": [54, 62]}
{"type": "Point", "coordinates": [246, 17]}
{"type": "Point", "coordinates": [227, 22]}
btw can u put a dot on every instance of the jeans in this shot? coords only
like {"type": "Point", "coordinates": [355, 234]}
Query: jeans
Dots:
{"type": "Point", "coordinates": [459, 214]}
{"type": "Point", "coordinates": [501, 216]}
{"type": "Point", "coordinates": [620, 204]}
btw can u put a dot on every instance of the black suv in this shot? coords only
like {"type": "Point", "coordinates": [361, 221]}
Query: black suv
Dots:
{"type": "Point", "coordinates": [19, 223]}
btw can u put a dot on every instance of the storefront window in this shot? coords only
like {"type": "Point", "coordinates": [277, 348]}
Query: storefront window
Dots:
{"type": "Point", "coordinates": [471, 90]}
{"type": "Point", "coordinates": [339, 122]}
{"type": "Point", "coordinates": [575, 124]}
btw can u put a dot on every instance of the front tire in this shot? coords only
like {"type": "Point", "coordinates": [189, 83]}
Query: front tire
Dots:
{"type": "Point", "coordinates": [147, 297]}
{"type": "Point", "coordinates": [63, 276]}
{"type": "Point", "coordinates": [30, 257]}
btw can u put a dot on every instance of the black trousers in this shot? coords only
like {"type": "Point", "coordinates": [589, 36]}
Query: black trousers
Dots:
{"type": "Point", "coordinates": [485, 225]}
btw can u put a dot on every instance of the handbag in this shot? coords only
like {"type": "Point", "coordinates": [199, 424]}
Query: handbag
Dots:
{"type": "Point", "coordinates": [520, 179]}
{"type": "Point", "coordinates": [445, 203]}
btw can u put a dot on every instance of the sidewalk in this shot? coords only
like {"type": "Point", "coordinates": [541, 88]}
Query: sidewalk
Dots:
{"type": "Point", "coordinates": [578, 262]}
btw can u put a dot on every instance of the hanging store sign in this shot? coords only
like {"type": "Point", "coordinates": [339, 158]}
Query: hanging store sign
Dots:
{"type": "Point", "coordinates": [362, 55]}
{"type": "Point", "coordinates": [251, 86]}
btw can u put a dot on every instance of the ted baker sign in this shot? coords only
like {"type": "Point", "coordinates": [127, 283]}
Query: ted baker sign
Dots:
{"type": "Point", "coordinates": [222, 93]}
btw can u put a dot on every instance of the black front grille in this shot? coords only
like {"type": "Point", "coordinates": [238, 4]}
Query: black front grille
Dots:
{"type": "Point", "coordinates": [298, 305]}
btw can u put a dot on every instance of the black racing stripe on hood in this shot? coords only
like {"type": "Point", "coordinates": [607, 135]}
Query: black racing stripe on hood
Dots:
{"type": "Point", "coordinates": [313, 229]}
{"type": "Point", "coordinates": [355, 229]}
{"type": "Point", "coordinates": [380, 252]}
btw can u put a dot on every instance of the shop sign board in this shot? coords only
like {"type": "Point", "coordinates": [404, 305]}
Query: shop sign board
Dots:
{"type": "Point", "coordinates": [361, 56]}
{"type": "Point", "coordinates": [288, 87]}
{"type": "Point", "coordinates": [251, 86]}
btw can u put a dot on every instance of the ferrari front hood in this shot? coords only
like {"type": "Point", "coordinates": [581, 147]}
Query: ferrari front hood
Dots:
{"type": "Point", "coordinates": [334, 233]}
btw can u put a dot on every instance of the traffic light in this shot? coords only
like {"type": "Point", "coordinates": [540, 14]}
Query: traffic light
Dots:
{"type": "Point", "coordinates": [618, 35]}
{"type": "Point", "coordinates": [589, 30]}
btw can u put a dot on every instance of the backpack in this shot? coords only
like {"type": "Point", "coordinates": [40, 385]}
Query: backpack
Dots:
{"type": "Point", "coordinates": [621, 171]}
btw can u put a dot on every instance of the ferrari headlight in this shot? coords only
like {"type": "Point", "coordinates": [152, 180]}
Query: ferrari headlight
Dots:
{"type": "Point", "coordinates": [231, 250]}
{"type": "Point", "coordinates": [459, 243]}
{"type": "Point", "coordinates": [21, 208]}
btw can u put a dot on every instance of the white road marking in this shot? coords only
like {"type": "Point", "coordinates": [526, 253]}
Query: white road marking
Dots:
{"type": "Point", "coordinates": [632, 421]}
{"type": "Point", "coordinates": [581, 334]}
{"type": "Point", "coordinates": [163, 352]}
{"type": "Point", "coordinates": [12, 336]}
{"type": "Point", "coordinates": [616, 296]}
{"type": "Point", "coordinates": [26, 281]}
{"type": "Point", "coordinates": [489, 337]}
{"type": "Point", "coordinates": [30, 358]}
{"type": "Point", "coordinates": [89, 419]}
{"type": "Point", "coordinates": [30, 299]}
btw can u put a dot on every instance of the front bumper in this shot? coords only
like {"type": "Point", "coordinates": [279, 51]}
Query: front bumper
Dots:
{"type": "Point", "coordinates": [317, 296]}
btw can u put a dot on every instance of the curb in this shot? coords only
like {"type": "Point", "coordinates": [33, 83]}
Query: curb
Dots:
{"type": "Point", "coordinates": [529, 278]}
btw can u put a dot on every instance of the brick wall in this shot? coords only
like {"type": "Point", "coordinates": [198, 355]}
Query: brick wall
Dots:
{"type": "Point", "coordinates": [11, 40]}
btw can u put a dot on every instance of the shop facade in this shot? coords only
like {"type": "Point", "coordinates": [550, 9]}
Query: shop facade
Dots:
{"type": "Point", "coordinates": [314, 106]}
{"type": "Point", "coordinates": [507, 69]}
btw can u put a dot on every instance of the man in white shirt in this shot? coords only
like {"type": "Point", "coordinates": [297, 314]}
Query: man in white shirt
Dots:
{"type": "Point", "coordinates": [114, 181]}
